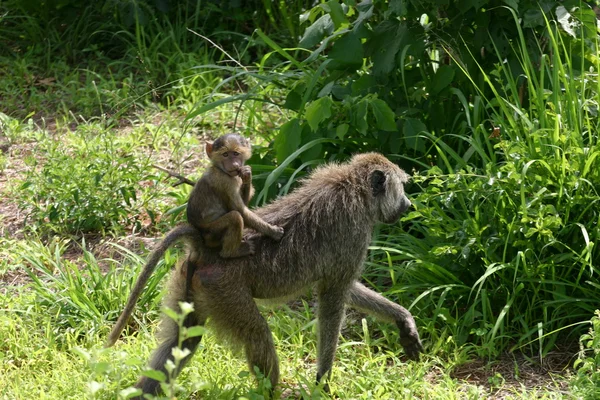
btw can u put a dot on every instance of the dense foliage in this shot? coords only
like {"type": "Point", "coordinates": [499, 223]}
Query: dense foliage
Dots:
{"type": "Point", "coordinates": [495, 104]}
{"type": "Point", "coordinates": [492, 105]}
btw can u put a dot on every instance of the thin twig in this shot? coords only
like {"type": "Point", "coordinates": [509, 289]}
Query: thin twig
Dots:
{"type": "Point", "coordinates": [220, 48]}
{"type": "Point", "coordinates": [182, 179]}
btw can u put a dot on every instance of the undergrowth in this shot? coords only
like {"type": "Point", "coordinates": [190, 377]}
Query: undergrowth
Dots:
{"type": "Point", "coordinates": [499, 253]}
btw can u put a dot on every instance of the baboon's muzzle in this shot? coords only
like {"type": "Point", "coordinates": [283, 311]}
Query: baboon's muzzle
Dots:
{"type": "Point", "coordinates": [402, 207]}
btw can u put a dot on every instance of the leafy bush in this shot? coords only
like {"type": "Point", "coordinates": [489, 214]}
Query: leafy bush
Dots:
{"type": "Point", "coordinates": [506, 253]}
{"type": "Point", "coordinates": [81, 296]}
{"type": "Point", "coordinates": [90, 185]}
{"type": "Point", "coordinates": [397, 76]}
{"type": "Point", "coordinates": [588, 362]}
{"type": "Point", "coordinates": [501, 248]}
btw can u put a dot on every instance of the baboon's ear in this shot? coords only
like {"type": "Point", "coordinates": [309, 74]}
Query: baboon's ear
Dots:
{"type": "Point", "coordinates": [209, 149]}
{"type": "Point", "coordinates": [377, 182]}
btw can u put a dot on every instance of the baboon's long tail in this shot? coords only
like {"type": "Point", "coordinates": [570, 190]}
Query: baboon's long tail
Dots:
{"type": "Point", "coordinates": [185, 230]}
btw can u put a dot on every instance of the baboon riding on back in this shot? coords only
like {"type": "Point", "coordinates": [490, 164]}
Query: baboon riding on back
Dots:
{"type": "Point", "coordinates": [328, 222]}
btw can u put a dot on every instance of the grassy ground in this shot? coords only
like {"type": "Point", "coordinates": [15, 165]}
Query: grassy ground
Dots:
{"type": "Point", "coordinates": [60, 287]}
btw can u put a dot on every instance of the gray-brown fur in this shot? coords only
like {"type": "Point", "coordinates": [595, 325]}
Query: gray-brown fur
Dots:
{"type": "Point", "coordinates": [328, 222]}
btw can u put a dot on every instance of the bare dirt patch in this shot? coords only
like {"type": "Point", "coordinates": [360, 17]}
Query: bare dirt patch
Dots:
{"type": "Point", "coordinates": [513, 373]}
{"type": "Point", "coordinates": [10, 216]}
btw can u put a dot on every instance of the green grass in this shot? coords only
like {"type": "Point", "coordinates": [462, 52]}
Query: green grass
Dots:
{"type": "Point", "coordinates": [36, 364]}
{"type": "Point", "coordinates": [55, 326]}
{"type": "Point", "coordinates": [494, 258]}
{"type": "Point", "coordinates": [501, 248]}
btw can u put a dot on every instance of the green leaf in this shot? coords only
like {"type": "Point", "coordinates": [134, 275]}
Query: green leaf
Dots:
{"type": "Point", "coordinates": [395, 143]}
{"type": "Point", "coordinates": [359, 117]}
{"type": "Point", "coordinates": [533, 18]}
{"type": "Point", "coordinates": [341, 131]}
{"type": "Point", "coordinates": [288, 139]}
{"type": "Point", "coordinates": [156, 375]}
{"type": "Point", "coordinates": [326, 89]}
{"type": "Point", "coordinates": [397, 7]}
{"type": "Point", "coordinates": [362, 85]}
{"type": "Point", "coordinates": [335, 10]}
{"type": "Point", "coordinates": [293, 101]}
{"type": "Point", "coordinates": [318, 111]}
{"type": "Point", "coordinates": [412, 129]}
{"type": "Point", "coordinates": [316, 32]}
{"type": "Point", "coordinates": [365, 12]}
{"type": "Point", "coordinates": [171, 314]}
{"type": "Point", "coordinates": [384, 116]}
{"type": "Point", "coordinates": [347, 51]}
{"type": "Point", "coordinates": [314, 152]}
{"type": "Point", "coordinates": [129, 392]}
{"type": "Point", "coordinates": [194, 331]}
{"type": "Point", "coordinates": [443, 77]}
{"type": "Point", "coordinates": [390, 37]}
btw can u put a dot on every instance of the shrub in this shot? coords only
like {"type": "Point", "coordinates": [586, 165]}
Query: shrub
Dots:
{"type": "Point", "coordinates": [80, 296]}
{"type": "Point", "coordinates": [90, 184]}
{"type": "Point", "coordinates": [588, 362]}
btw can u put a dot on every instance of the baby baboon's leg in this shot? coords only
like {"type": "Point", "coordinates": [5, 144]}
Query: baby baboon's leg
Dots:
{"type": "Point", "coordinates": [231, 225]}
{"type": "Point", "coordinates": [372, 302]}
{"type": "Point", "coordinates": [169, 330]}
{"type": "Point", "coordinates": [237, 316]}
{"type": "Point", "coordinates": [331, 308]}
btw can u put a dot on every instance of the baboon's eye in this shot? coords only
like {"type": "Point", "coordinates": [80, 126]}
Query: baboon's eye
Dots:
{"type": "Point", "coordinates": [226, 154]}
{"type": "Point", "coordinates": [377, 182]}
{"type": "Point", "coordinates": [236, 154]}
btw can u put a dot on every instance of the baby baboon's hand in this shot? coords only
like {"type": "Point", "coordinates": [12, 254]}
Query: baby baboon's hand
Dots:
{"type": "Point", "coordinates": [277, 233]}
{"type": "Point", "coordinates": [245, 173]}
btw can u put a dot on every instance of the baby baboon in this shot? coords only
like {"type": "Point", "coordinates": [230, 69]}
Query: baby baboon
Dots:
{"type": "Point", "coordinates": [218, 205]}
{"type": "Point", "coordinates": [328, 223]}
{"type": "Point", "coordinates": [217, 211]}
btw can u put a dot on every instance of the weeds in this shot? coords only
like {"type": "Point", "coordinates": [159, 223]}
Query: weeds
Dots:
{"type": "Point", "coordinates": [588, 362]}
{"type": "Point", "coordinates": [83, 297]}
{"type": "Point", "coordinates": [500, 252]}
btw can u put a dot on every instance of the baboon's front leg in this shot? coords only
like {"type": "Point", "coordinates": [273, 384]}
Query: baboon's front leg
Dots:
{"type": "Point", "coordinates": [331, 310]}
{"type": "Point", "coordinates": [372, 302]}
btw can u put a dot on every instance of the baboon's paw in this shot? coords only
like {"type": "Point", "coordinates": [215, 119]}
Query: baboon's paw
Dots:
{"type": "Point", "coordinates": [277, 233]}
{"type": "Point", "coordinates": [245, 173]}
{"type": "Point", "coordinates": [247, 248]}
{"type": "Point", "coordinates": [409, 338]}
{"type": "Point", "coordinates": [412, 346]}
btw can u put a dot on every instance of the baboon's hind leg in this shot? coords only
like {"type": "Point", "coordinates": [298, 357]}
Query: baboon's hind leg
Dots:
{"type": "Point", "coordinates": [372, 302]}
{"type": "Point", "coordinates": [164, 351]}
{"type": "Point", "coordinates": [238, 317]}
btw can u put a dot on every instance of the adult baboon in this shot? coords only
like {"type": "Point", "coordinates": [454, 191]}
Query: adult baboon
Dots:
{"type": "Point", "coordinates": [328, 222]}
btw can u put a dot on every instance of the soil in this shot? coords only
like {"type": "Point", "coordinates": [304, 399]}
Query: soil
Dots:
{"type": "Point", "coordinates": [514, 372]}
